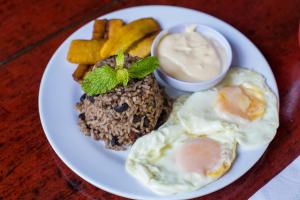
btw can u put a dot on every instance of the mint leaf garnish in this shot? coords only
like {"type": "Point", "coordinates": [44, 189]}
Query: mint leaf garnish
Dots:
{"type": "Point", "coordinates": [123, 76]}
{"type": "Point", "coordinates": [143, 67]}
{"type": "Point", "coordinates": [120, 60]}
{"type": "Point", "coordinates": [100, 80]}
{"type": "Point", "coordinates": [105, 78]}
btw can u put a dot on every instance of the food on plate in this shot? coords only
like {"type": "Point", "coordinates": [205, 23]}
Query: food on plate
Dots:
{"type": "Point", "coordinates": [123, 105]}
{"type": "Point", "coordinates": [171, 160]}
{"type": "Point", "coordinates": [86, 54]}
{"type": "Point", "coordinates": [85, 51]}
{"type": "Point", "coordinates": [80, 71]}
{"type": "Point", "coordinates": [99, 32]}
{"type": "Point", "coordinates": [241, 103]}
{"type": "Point", "coordinates": [105, 77]}
{"type": "Point", "coordinates": [99, 29]}
{"type": "Point", "coordinates": [113, 25]}
{"type": "Point", "coordinates": [190, 56]}
{"type": "Point", "coordinates": [120, 114]}
{"type": "Point", "coordinates": [173, 118]}
{"type": "Point", "coordinates": [143, 48]}
{"type": "Point", "coordinates": [197, 144]}
{"type": "Point", "coordinates": [122, 100]}
{"type": "Point", "coordinates": [129, 35]}
{"type": "Point", "coordinates": [255, 113]}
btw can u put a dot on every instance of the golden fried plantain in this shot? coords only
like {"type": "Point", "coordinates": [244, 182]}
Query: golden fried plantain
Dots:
{"type": "Point", "coordinates": [127, 35]}
{"type": "Point", "coordinates": [99, 29]}
{"type": "Point", "coordinates": [102, 28]}
{"type": "Point", "coordinates": [80, 71]}
{"type": "Point", "coordinates": [143, 48]}
{"type": "Point", "coordinates": [85, 51]}
{"type": "Point", "coordinates": [112, 27]}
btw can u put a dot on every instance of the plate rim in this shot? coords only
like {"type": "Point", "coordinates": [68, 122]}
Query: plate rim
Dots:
{"type": "Point", "coordinates": [74, 168]}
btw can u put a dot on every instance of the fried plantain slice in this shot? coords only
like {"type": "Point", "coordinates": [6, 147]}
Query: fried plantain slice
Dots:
{"type": "Point", "coordinates": [85, 51]}
{"type": "Point", "coordinates": [99, 29]}
{"type": "Point", "coordinates": [127, 35]}
{"type": "Point", "coordinates": [143, 48]}
{"type": "Point", "coordinates": [102, 28]}
{"type": "Point", "coordinates": [112, 27]}
{"type": "Point", "coordinates": [80, 72]}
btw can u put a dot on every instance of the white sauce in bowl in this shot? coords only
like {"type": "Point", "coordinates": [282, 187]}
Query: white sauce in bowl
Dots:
{"type": "Point", "coordinates": [189, 56]}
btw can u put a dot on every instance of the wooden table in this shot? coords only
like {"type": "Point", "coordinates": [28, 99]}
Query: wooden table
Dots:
{"type": "Point", "coordinates": [30, 32]}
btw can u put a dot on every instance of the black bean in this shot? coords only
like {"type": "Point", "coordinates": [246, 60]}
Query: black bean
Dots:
{"type": "Point", "coordinates": [136, 118]}
{"type": "Point", "coordinates": [88, 127]}
{"type": "Point", "coordinates": [121, 108]}
{"type": "Point", "coordinates": [161, 119]}
{"type": "Point", "coordinates": [146, 122]}
{"type": "Point", "coordinates": [90, 98]}
{"type": "Point", "coordinates": [82, 116]}
{"type": "Point", "coordinates": [167, 101]}
{"type": "Point", "coordinates": [114, 141]}
{"type": "Point", "coordinates": [82, 97]}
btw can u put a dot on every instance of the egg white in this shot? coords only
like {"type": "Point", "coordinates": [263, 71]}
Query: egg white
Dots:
{"type": "Point", "coordinates": [151, 160]}
{"type": "Point", "coordinates": [199, 114]}
{"type": "Point", "coordinates": [173, 118]}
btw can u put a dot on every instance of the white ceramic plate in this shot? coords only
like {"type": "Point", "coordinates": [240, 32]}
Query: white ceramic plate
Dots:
{"type": "Point", "coordinates": [105, 168]}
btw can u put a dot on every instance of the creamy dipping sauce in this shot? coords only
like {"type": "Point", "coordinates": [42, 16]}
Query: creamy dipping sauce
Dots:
{"type": "Point", "coordinates": [189, 56]}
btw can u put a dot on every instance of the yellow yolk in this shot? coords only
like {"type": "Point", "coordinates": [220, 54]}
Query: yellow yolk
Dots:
{"type": "Point", "coordinates": [199, 155]}
{"type": "Point", "coordinates": [245, 101]}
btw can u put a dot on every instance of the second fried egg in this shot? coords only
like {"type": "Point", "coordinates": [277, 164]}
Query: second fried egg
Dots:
{"type": "Point", "coordinates": [171, 160]}
{"type": "Point", "coordinates": [242, 104]}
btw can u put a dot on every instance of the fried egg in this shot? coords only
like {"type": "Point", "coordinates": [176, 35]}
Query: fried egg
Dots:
{"type": "Point", "coordinates": [173, 118]}
{"type": "Point", "coordinates": [197, 144]}
{"type": "Point", "coordinates": [171, 160]}
{"type": "Point", "coordinates": [242, 104]}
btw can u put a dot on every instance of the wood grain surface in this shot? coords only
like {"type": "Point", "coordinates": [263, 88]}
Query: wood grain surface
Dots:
{"type": "Point", "coordinates": [30, 32]}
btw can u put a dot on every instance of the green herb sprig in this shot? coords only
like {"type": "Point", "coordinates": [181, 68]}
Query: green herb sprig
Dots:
{"type": "Point", "coordinates": [105, 78]}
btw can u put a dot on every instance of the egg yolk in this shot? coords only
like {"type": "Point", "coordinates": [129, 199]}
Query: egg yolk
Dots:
{"type": "Point", "coordinates": [244, 101]}
{"type": "Point", "coordinates": [199, 155]}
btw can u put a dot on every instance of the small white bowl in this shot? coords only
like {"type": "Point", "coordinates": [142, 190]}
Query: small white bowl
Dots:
{"type": "Point", "coordinates": [218, 40]}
